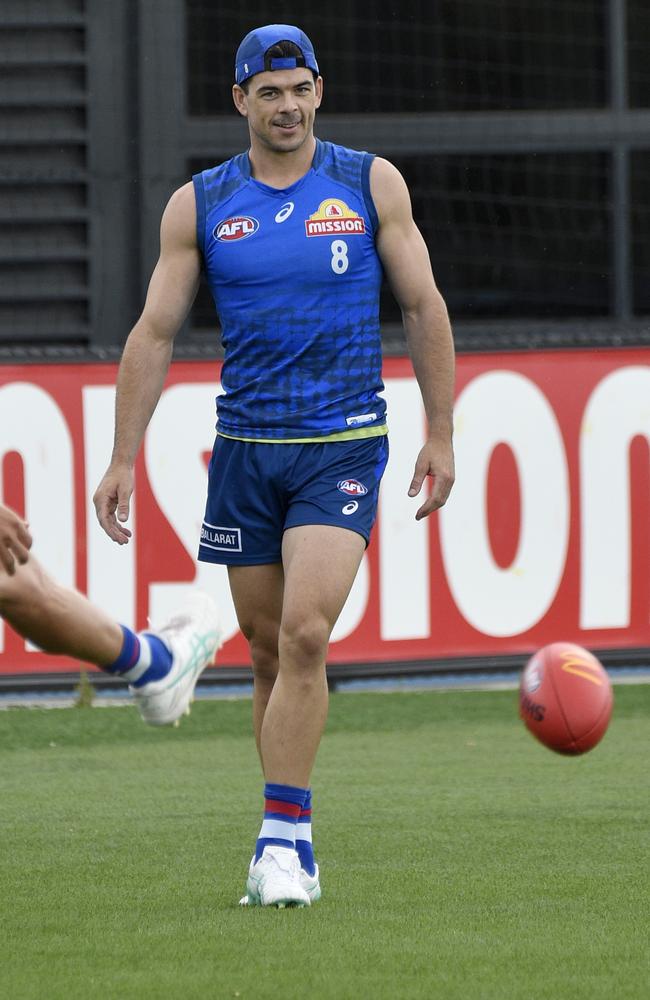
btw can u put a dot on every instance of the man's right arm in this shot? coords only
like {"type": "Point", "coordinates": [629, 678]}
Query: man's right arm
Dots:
{"type": "Point", "coordinates": [147, 354]}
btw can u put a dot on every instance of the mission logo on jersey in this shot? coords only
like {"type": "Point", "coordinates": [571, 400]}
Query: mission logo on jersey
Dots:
{"type": "Point", "coordinates": [334, 216]}
{"type": "Point", "coordinates": [238, 227]}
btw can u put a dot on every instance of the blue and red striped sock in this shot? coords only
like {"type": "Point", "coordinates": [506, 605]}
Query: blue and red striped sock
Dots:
{"type": "Point", "coordinates": [143, 658]}
{"type": "Point", "coordinates": [282, 805]}
{"type": "Point", "coordinates": [304, 844]}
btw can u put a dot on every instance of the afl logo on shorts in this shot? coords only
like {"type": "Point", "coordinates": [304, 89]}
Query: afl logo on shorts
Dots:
{"type": "Point", "coordinates": [352, 487]}
{"type": "Point", "coordinates": [238, 227]}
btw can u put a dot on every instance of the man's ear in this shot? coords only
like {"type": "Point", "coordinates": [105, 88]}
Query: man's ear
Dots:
{"type": "Point", "coordinates": [239, 100]}
{"type": "Point", "coordinates": [319, 91]}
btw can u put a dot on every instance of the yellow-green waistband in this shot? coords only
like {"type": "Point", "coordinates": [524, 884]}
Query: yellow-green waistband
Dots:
{"type": "Point", "coordinates": [354, 432]}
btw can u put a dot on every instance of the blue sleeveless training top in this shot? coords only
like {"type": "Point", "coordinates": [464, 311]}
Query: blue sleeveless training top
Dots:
{"type": "Point", "coordinates": [295, 278]}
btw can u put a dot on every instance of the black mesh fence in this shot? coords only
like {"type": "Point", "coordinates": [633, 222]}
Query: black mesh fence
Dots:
{"type": "Point", "coordinates": [453, 55]}
{"type": "Point", "coordinates": [522, 128]}
{"type": "Point", "coordinates": [640, 186]}
{"type": "Point", "coordinates": [512, 236]}
{"type": "Point", "coordinates": [638, 19]}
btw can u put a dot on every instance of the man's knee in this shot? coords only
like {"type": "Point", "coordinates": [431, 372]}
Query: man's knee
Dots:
{"type": "Point", "coordinates": [264, 660]}
{"type": "Point", "coordinates": [305, 639]}
{"type": "Point", "coordinates": [262, 637]}
{"type": "Point", "coordinates": [18, 590]}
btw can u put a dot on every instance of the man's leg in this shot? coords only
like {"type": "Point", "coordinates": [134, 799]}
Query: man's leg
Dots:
{"type": "Point", "coordinates": [163, 667]}
{"type": "Point", "coordinates": [55, 618]}
{"type": "Point", "coordinates": [320, 564]}
{"type": "Point", "coordinates": [257, 593]}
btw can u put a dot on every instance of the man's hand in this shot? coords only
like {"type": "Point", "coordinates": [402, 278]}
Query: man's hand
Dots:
{"type": "Point", "coordinates": [436, 459]}
{"type": "Point", "coordinates": [113, 496]}
{"type": "Point", "coordinates": [15, 540]}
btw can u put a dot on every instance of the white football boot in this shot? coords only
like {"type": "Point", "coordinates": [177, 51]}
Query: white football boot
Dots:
{"type": "Point", "coordinates": [310, 884]}
{"type": "Point", "coordinates": [193, 636]}
{"type": "Point", "coordinates": [275, 880]}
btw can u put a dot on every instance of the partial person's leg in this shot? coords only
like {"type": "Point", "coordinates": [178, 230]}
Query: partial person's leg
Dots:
{"type": "Point", "coordinates": [163, 667]}
{"type": "Point", "coordinates": [257, 592]}
{"type": "Point", "coordinates": [57, 619]}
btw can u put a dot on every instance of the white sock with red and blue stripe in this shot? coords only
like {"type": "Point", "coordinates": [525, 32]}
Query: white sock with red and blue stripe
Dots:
{"type": "Point", "coordinates": [304, 844]}
{"type": "Point", "coordinates": [143, 658]}
{"type": "Point", "coordinates": [282, 805]}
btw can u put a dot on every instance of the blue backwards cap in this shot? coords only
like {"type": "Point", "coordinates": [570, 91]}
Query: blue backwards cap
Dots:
{"type": "Point", "coordinates": [251, 55]}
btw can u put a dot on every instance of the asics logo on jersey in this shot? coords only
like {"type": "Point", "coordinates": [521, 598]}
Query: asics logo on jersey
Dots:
{"type": "Point", "coordinates": [285, 212]}
{"type": "Point", "coordinates": [350, 508]}
{"type": "Point", "coordinates": [352, 487]}
{"type": "Point", "coordinates": [238, 227]}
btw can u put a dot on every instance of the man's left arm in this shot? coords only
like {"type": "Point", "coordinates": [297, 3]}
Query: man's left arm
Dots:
{"type": "Point", "coordinates": [406, 262]}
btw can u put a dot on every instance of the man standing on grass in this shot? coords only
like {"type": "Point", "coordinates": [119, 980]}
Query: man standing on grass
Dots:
{"type": "Point", "coordinates": [292, 236]}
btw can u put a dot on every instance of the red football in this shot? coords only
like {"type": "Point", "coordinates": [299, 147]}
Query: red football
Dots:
{"type": "Point", "coordinates": [565, 698]}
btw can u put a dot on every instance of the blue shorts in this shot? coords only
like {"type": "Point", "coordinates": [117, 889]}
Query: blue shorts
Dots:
{"type": "Point", "coordinates": [256, 491]}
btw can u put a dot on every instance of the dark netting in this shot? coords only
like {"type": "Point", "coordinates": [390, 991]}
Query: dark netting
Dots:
{"type": "Point", "coordinates": [640, 194]}
{"type": "Point", "coordinates": [98, 107]}
{"type": "Point", "coordinates": [638, 14]}
{"type": "Point", "coordinates": [452, 55]}
{"type": "Point", "coordinates": [514, 236]}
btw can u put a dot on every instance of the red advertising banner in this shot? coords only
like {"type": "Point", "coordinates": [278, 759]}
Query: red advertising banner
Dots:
{"type": "Point", "coordinates": [546, 535]}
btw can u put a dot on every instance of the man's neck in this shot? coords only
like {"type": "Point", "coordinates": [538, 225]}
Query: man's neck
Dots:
{"type": "Point", "coordinates": [281, 170]}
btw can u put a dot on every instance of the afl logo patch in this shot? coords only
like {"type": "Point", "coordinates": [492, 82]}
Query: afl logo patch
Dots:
{"type": "Point", "coordinates": [238, 227]}
{"type": "Point", "coordinates": [352, 487]}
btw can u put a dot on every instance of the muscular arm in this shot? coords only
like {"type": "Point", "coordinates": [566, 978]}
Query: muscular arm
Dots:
{"type": "Point", "coordinates": [147, 354]}
{"type": "Point", "coordinates": [426, 324]}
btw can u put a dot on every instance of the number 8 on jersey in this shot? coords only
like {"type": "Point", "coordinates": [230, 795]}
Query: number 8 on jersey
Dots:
{"type": "Point", "coordinates": [340, 260]}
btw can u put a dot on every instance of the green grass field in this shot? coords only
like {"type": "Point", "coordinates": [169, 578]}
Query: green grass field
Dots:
{"type": "Point", "coordinates": [460, 859]}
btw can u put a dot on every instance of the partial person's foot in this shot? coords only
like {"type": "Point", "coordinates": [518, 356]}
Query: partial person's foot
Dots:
{"type": "Point", "coordinates": [193, 636]}
{"type": "Point", "coordinates": [310, 884]}
{"type": "Point", "coordinates": [275, 880]}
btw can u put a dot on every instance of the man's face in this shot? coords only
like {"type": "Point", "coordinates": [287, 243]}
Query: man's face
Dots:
{"type": "Point", "coordinates": [280, 107]}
